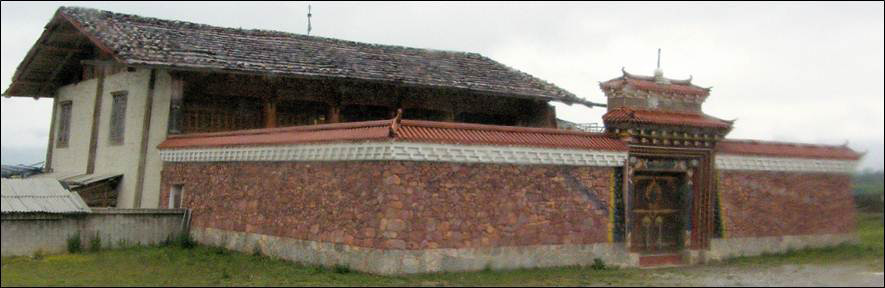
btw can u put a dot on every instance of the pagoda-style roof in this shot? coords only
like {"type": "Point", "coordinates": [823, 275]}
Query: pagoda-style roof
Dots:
{"type": "Point", "coordinates": [142, 41]}
{"type": "Point", "coordinates": [638, 116]}
{"type": "Point", "coordinates": [401, 130]}
{"type": "Point", "coordinates": [655, 84]}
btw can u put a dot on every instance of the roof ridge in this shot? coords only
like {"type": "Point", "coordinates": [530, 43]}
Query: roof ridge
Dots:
{"type": "Point", "coordinates": [303, 128]}
{"type": "Point", "coordinates": [258, 31]}
{"type": "Point", "coordinates": [487, 127]}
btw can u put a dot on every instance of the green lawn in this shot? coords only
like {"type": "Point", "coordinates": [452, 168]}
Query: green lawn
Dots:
{"type": "Point", "coordinates": [206, 266]}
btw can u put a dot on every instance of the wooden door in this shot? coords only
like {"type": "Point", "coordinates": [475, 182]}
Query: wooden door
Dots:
{"type": "Point", "coordinates": [656, 214]}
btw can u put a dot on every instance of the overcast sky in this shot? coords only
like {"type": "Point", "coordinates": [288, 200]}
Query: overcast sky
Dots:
{"type": "Point", "coordinates": [802, 72]}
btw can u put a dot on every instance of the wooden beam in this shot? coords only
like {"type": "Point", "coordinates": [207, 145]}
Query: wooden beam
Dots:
{"type": "Point", "coordinates": [98, 62]}
{"type": "Point", "coordinates": [61, 49]}
{"type": "Point", "coordinates": [57, 70]}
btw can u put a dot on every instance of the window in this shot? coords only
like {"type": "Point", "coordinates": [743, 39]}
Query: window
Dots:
{"type": "Point", "coordinates": [175, 196]}
{"type": "Point", "coordinates": [118, 117]}
{"type": "Point", "coordinates": [64, 125]}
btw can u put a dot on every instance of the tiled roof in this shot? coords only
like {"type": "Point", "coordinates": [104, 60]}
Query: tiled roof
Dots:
{"type": "Point", "coordinates": [782, 149]}
{"type": "Point", "coordinates": [355, 131]}
{"type": "Point", "coordinates": [461, 133]}
{"type": "Point", "coordinates": [136, 40]}
{"type": "Point", "coordinates": [402, 130]}
{"type": "Point", "coordinates": [638, 116]}
{"type": "Point", "coordinates": [649, 83]}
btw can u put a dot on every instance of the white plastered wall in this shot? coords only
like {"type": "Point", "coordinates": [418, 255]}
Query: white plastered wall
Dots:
{"type": "Point", "coordinates": [72, 159]}
{"type": "Point", "coordinates": [120, 158]}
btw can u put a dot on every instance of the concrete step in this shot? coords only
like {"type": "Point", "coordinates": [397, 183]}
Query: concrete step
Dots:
{"type": "Point", "coordinates": [660, 261]}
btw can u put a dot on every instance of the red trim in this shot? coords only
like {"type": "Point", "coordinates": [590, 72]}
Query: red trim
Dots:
{"type": "Point", "coordinates": [786, 149]}
{"type": "Point", "coordinates": [628, 115]}
{"type": "Point", "coordinates": [407, 130]}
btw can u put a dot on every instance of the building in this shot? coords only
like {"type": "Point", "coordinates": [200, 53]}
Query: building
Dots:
{"type": "Point", "coordinates": [400, 160]}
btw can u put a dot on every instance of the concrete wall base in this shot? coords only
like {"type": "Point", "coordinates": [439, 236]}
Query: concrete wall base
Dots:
{"type": "Point", "coordinates": [29, 234]}
{"type": "Point", "coordinates": [391, 262]}
{"type": "Point", "coordinates": [753, 246]}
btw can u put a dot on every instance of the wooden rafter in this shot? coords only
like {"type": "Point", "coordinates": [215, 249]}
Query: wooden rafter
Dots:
{"type": "Point", "coordinates": [48, 84]}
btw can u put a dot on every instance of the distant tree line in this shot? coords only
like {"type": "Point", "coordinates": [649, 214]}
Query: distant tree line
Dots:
{"type": "Point", "coordinates": [868, 190]}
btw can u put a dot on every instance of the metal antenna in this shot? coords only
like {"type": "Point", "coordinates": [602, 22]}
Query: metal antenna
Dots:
{"type": "Point", "coordinates": [659, 58]}
{"type": "Point", "coordinates": [308, 19]}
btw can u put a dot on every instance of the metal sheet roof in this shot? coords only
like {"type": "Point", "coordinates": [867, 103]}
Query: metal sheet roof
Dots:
{"type": "Point", "coordinates": [76, 179]}
{"type": "Point", "coordinates": [39, 195]}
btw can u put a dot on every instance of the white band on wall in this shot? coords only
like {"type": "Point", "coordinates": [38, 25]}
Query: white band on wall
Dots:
{"type": "Point", "coordinates": [407, 151]}
{"type": "Point", "coordinates": [761, 163]}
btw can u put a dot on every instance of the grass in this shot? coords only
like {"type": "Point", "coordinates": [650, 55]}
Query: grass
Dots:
{"type": "Point", "coordinates": [174, 265]}
{"type": "Point", "coordinates": [869, 250]}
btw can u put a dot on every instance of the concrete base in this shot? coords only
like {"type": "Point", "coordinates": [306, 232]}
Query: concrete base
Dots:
{"type": "Point", "coordinates": [29, 234]}
{"type": "Point", "coordinates": [736, 247]}
{"type": "Point", "coordinates": [389, 262]}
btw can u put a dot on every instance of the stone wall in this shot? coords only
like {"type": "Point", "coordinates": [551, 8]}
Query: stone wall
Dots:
{"type": "Point", "coordinates": [770, 203]}
{"type": "Point", "coordinates": [399, 205]}
{"type": "Point", "coordinates": [27, 234]}
{"type": "Point", "coordinates": [388, 206]}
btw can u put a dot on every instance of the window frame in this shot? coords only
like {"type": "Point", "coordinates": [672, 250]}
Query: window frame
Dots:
{"type": "Point", "coordinates": [117, 123]}
{"type": "Point", "coordinates": [63, 140]}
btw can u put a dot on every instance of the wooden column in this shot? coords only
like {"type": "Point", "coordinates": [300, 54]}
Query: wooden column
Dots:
{"type": "Point", "coordinates": [335, 113]}
{"type": "Point", "coordinates": [270, 112]}
{"type": "Point", "coordinates": [145, 137]}
{"type": "Point", "coordinates": [96, 117]}
{"type": "Point", "coordinates": [176, 106]}
{"type": "Point", "coordinates": [551, 116]}
{"type": "Point", "coordinates": [47, 166]}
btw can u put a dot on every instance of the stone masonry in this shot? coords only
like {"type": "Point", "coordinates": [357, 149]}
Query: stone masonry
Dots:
{"type": "Point", "coordinates": [769, 203]}
{"type": "Point", "coordinates": [398, 204]}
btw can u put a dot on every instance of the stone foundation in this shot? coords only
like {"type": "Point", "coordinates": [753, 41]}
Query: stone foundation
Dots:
{"type": "Point", "coordinates": [753, 246]}
{"type": "Point", "coordinates": [394, 261]}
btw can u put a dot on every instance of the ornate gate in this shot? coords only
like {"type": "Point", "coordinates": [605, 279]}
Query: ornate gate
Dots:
{"type": "Point", "coordinates": [657, 213]}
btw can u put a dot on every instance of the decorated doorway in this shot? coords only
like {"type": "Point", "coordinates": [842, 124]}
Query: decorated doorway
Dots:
{"type": "Point", "coordinates": [658, 212]}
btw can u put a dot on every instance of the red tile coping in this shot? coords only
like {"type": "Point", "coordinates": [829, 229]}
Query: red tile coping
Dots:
{"type": "Point", "coordinates": [401, 130]}
{"type": "Point", "coordinates": [653, 86]}
{"type": "Point", "coordinates": [786, 149]}
{"type": "Point", "coordinates": [664, 118]}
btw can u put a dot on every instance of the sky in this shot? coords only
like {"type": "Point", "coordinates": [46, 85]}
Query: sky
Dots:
{"type": "Point", "coordinates": [797, 72]}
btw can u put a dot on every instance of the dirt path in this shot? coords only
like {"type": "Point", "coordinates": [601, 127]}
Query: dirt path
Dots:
{"type": "Point", "coordinates": [839, 275]}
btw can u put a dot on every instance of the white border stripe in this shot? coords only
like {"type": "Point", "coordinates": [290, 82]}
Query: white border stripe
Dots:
{"type": "Point", "coordinates": [400, 151]}
{"type": "Point", "coordinates": [759, 163]}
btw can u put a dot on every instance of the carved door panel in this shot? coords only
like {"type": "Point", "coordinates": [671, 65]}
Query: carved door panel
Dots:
{"type": "Point", "coordinates": [656, 214]}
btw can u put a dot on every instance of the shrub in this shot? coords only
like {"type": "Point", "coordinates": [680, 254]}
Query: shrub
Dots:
{"type": "Point", "coordinates": [219, 250]}
{"type": "Point", "coordinates": [74, 245]}
{"type": "Point", "coordinates": [38, 255]}
{"type": "Point", "coordinates": [317, 269]}
{"type": "Point", "coordinates": [598, 264]}
{"type": "Point", "coordinates": [341, 269]}
{"type": "Point", "coordinates": [185, 241]}
{"type": "Point", "coordinates": [95, 243]}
